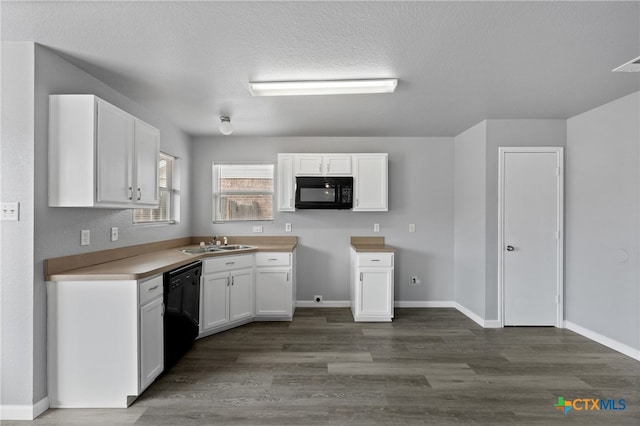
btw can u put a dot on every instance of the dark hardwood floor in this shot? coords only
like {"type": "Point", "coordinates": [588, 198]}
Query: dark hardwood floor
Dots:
{"type": "Point", "coordinates": [429, 366]}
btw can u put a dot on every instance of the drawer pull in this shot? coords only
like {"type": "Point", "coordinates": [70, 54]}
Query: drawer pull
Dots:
{"type": "Point", "coordinates": [154, 287]}
{"type": "Point", "coordinates": [375, 260]}
{"type": "Point", "coordinates": [230, 263]}
{"type": "Point", "coordinates": [272, 260]}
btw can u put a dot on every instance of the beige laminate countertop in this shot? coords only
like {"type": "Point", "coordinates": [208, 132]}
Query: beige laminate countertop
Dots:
{"type": "Point", "coordinates": [370, 245]}
{"type": "Point", "coordinates": [149, 264]}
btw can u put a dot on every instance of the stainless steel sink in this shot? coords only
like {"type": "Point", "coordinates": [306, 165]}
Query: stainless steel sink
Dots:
{"type": "Point", "coordinates": [199, 250]}
{"type": "Point", "coordinates": [234, 247]}
{"type": "Point", "coordinates": [211, 249]}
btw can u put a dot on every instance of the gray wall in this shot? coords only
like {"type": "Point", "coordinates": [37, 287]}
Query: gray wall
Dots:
{"type": "Point", "coordinates": [603, 192]}
{"type": "Point", "coordinates": [470, 223]}
{"type": "Point", "coordinates": [16, 238]}
{"type": "Point", "coordinates": [421, 192]}
{"type": "Point", "coordinates": [53, 232]}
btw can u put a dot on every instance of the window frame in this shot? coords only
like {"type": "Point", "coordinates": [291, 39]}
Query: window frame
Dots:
{"type": "Point", "coordinates": [171, 189]}
{"type": "Point", "coordinates": [216, 192]}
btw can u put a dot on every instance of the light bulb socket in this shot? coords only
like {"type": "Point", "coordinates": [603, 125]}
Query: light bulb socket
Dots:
{"type": "Point", "coordinates": [225, 126]}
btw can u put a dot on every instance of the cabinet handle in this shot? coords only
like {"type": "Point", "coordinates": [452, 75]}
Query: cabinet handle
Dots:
{"type": "Point", "coordinates": [227, 281]}
{"type": "Point", "coordinates": [375, 260]}
{"type": "Point", "coordinates": [272, 260]}
{"type": "Point", "coordinates": [154, 287]}
{"type": "Point", "coordinates": [139, 194]}
{"type": "Point", "coordinates": [130, 193]}
{"type": "Point", "coordinates": [232, 280]}
{"type": "Point", "coordinates": [320, 168]}
{"type": "Point", "coordinates": [162, 310]}
{"type": "Point", "coordinates": [360, 276]}
{"type": "Point", "coordinates": [230, 263]}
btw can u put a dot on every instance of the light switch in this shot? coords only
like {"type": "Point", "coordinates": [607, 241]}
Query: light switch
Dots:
{"type": "Point", "coordinates": [376, 227]}
{"type": "Point", "coordinates": [412, 227]}
{"type": "Point", "coordinates": [257, 228]}
{"type": "Point", "coordinates": [287, 227]}
{"type": "Point", "coordinates": [114, 234]}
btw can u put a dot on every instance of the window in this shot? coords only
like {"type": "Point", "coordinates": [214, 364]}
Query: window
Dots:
{"type": "Point", "coordinates": [242, 192]}
{"type": "Point", "coordinates": [168, 211]}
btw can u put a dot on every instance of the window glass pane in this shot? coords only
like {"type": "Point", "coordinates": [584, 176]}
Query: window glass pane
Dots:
{"type": "Point", "coordinates": [243, 192]}
{"type": "Point", "coordinates": [167, 209]}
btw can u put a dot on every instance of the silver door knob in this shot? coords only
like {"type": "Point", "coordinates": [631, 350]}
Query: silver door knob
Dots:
{"type": "Point", "coordinates": [510, 248]}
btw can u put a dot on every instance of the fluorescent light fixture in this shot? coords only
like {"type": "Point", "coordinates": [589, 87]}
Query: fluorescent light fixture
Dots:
{"type": "Point", "coordinates": [631, 66]}
{"type": "Point", "coordinates": [327, 87]}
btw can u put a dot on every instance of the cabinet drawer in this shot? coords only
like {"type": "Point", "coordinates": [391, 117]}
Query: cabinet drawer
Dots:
{"type": "Point", "coordinates": [226, 263]}
{"type": "Point", "coordinates": [375, 259]}
{"type": "Point", "coordinates": [150, 289]}
{"type": "Point", "coordinates": [273, 259]}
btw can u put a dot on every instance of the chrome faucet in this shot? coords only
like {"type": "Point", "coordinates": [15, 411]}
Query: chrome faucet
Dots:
{"type": "Point", "coordinates": [225, 240]}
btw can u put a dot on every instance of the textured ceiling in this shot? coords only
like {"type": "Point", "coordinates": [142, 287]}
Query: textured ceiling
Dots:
{"type": "Point", "coordinates": [457, 62]}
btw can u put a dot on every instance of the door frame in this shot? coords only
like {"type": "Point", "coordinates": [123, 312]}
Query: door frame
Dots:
{"type": "Point", "coordinates": [559, 151]}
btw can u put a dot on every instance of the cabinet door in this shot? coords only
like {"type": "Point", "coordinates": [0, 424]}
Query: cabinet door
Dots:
{"type": "Point", "coordinates": [241, 296]}
{"type": "Point", "coordinates": [286, 182]}
{"type": "Point", "coordinates": [151, 342]}
{"type": "Point", "coordinates": [215, 300]}
{"type": "Point", "coordinates": [273, 292]}
{"type": "Point", "coordinates": [376, 291]}
{"type": "Point", "coordinates": [370, 182]}
{"type": "Point", "coordinates": [337, 165]}
{"type": "Point", "coordinates": [147, 146]}
{"type": "Point", "coordinates": [307, 165]}
{"type": "Point", "coordinates": [114, 155]}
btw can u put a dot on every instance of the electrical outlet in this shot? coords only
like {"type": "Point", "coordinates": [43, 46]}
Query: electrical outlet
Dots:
{"type": "Point", "coordinates": [10, 212]}
{"type": "Point", "coordinates": [317, 298]}
{"type": "Point", "coordinates": [376, 227]}
{"type": "Point", "coordinates": [287, 227]}
{"type": "Point", "coordinates": [415, 280]}
{"type": "Point", "coordinates": [114, 234]}
{"type": "Point", "coordinates": [412, 227]}
{"type": "Point", "coordinates": [85, 237]}
{"type": "Point", "coordinates": [257, 228]}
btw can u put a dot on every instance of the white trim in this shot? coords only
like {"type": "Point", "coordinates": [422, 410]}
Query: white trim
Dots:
{"type": "Point", "coordinates": [559, 151]}
{"type": "Point", "coordinates": [603, 340]}
{"type": "Point", "coordinates": [424, 304]}
{"type": "Point", "coordinates": [470, 314]}
{"type": "Point", "coordinates": [323, 304]}
{"type": "Point", "coordinates": [24, 412]}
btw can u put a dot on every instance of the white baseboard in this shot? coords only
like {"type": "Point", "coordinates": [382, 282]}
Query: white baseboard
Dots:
{"type": "Point", "coordinates": [424, 304]}
{"type": "Point", "coordinates": [24, 412]}
{"type": "Point", "coordinates": [323, 304]}
{"type": "Point", "coordinates": [604, 340]}
{"type": "Point", "coordinates": [470, 314]}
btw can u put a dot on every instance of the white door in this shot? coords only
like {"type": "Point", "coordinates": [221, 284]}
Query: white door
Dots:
{"type": "Point", "coordinates": [215, 300]}
{"type": "Point", "coordinates": [241, 296]}
{"type": "Point", "coordinates": [376, 291]}
{"type": "Point", "coordinates": [273, 291]}
{"type": "Point", "coordinates": [147, 145]}
{"type": "Point", "coordinates": [115, 155]}
{"type": "Point", "coordinates": [151, 342]}
{"type": "Point", "coordinates": [531, 221]}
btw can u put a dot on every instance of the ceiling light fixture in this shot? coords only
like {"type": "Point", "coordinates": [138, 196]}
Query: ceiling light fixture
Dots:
{"type": "Point", "coordinates": [631, 66]}
{"type": "Point", "coordinates": [325, 87]}
{"type": "Point", "coordinates": [225, 125]}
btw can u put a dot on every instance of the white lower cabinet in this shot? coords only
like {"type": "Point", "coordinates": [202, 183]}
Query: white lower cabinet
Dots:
{"type": "Point", "coordinates": [275, 285]}
{"type": "Point", "coordinates": [105, 341]}
{"type": "Point", "coordinates": [227, 296]}
{"type": "Point", "coordinates": [372, 286]}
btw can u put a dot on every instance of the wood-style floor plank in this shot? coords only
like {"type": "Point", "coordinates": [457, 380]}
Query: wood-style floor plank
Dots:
{"type": "Point", "coordinates": [429, 366]}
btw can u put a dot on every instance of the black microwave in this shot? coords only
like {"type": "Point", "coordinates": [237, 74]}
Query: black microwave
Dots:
{"type": "Point", "coordinates": [324, 192]}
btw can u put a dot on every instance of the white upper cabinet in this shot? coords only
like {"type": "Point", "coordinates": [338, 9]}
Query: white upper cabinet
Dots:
{"type": "Point", "coordinates": [286, 183]}
{"type": "Point", "coordinates": [322, 164]}
{"type": "Point", "coordinates": [100, 156]}
{"type": "Point", "coordinates": [370, 182]}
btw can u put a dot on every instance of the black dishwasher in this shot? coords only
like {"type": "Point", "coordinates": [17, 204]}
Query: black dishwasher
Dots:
{"type": "Point", "coordinates": [182, 311]}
